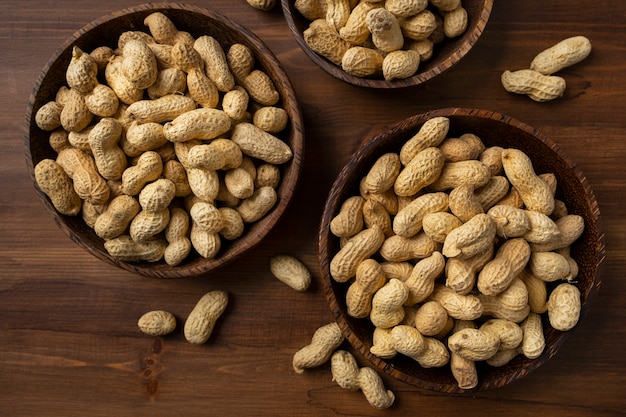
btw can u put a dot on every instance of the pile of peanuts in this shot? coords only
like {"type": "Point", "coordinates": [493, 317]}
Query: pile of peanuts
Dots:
{"type": "Point", "coordinates": [164, 145]}
{"type": "Point", "coordinates": [453, 250]}
{"type": "Point", "coordinates": [374, 38]}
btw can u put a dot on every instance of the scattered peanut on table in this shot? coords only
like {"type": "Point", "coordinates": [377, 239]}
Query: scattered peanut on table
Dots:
{"type": "Point", "coordinates": [380, 39]}
{"type": "Point", "coordinates": [538, 81]}
{"type": "Point", "coordinates": [480, 266]}
{"type": "Point", "coordinates": [198, 118]}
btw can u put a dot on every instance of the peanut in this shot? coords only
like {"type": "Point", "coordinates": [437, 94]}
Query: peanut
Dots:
{"type": "Point", "coordinates": [418, 26]}
{"type": "Point", "coordinates": [205, 242]}
{"type": "Point", "coordinates": [260, 88]}
{"type": "Point", "coordinates": [422, 170]}
{"type": "Point", "coordinates": [399, 249]}
{"type": "Point", "coordinates": [162, 109]}
{"type": "Point", "coordinates": [370, 277]}
{"type": "Point", "coordinates": [565, 53]}
{"type": "Point", "coordinates": [103, 141]}
{"type": "Point", "coordinates": [259, 144]}
{"type": "Point", "coordinates": [463, 203]}
{"type": "Point", "coordinates": [311, 9]}
{"type": "Point", "coordinates": [431, 318]}
{"type": "Point", "coordinates": [382, 344]}
{"type": "Point", "coordinates": [116, 217]}
{"type": "Point", "coordinates": [201, 123]}
{"type": "Point", "coordinates": [510, 221]}
{"type": "Point", "coordinates": [473, 344]}
{"type": "Point", "coordinates": [162, 28]}
{"type": "Point", "coordinates": [383, 174]}
{"type": "Point", "coordinates": [400, 64]}
{"type": "Point", "coordinates": [445, 5]}
{"type": "Point", "coordinates": [48, 116]}
{"type": "Point", "coordinates": [491, 193]}
{"type": "Point", "coordinates": [534, 192]}
{"type": "Point", "coordinates": [421, 282]}
{"type": "Point", "coordinates": [533, 341]}
{"type": "Point", "coordinates": [471, 238]}
{"type": "Point", "coordinates": [463, 370]}
{"type": "Point", "coordinates": [168, 81]}
{"type": "Point", "coordinates": [454, 174]}
{"type": "Point", "coordinates": [258, 204]}
{"type": "Point", "coordinates": [220, 153]}
{"type": "Point", "coordinates": [427, 351]}
{"type": "Point", "coordinates": [387, 304]}
{"type": "Point", "coordinates": [215, 62]}
{"type": "Point", "coordinates": [176, 233]}
{"type": "Point", "coordinates": [202, 89]}
{"type": "Point", "coordinates": [157, 323]}
{"type": "Point", "coordinates": [348, 375]}
{"type": "Point", "coordinates": [81, 168]}
{"type": "Point", "coordinates": [510, 259]}
{"type": "Point", "coordinates": [355, 29]}
{"type": "Point", "coordinates": [549, 266]}
{"type": "Point", "coordinates": [75, 115]}
{"type": "Point", "coordinates": [430, 134]}
{"type": "Point", "coordinates": [324, 342]}
{"type": "Point", "coordinates": [235, 103]}
{"type": "Point", "coordinates": [102, 101]}
{"type": "Point", "coordinates": [142, 137]}
{"type": "Point", "coordinates": [349, 221]}
{"type": "Point", "coordinates": [403, 8]}
{"type": "Point", "coordinates": [461, 274]}
{"type": "Point", "coordinates": [271, 119]}
{"type": "Point", "coordinates": [203, 318]}
{"type": "Point", "coordinates": [139, 64]}
{"type": "Point", "coordinates": [265, 5]}
{"type": "Point", "coordinates": [542, 228]}
{"type": "Point", "coordinates": [564, 306]}
{"type": "Point", "coordinates": [385, 29]}
{"type": "Point", "coordinates": [148, 168]}
{"type": "Point", "coordinates": [206, 216]}
{"type": "Point", "coordinates": [408, 222]}
{"type": "Point", "coordinates": [509, 333]}
{"type": "Point", "coordinates": [125, 249]}
{"type": "Point", "coordinates": [455, 22]}
{"type": "Point", "coordinates": [290, 271]}
{"type": "Point", "coordinates": [82, 71]}
{"type": "Point", "coordinates": [437, 225]}
{"type": "Point", "coordinates": [123, 88]}
{"type": "Point", "coordinates": [57, 185]}
{"type": "Point", "coordinates": [233, 223]}
{"type": "Point", "coordinates": [538, 87]}
{"type": "Point", "coordinates": [458, 306]}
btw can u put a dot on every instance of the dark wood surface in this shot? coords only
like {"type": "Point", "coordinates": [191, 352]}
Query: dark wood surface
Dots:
{"type": "Point", "coordinates": [69, 343]}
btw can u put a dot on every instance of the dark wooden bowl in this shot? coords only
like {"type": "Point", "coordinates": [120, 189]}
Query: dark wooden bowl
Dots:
{"type": "Point", "coordinates": [198, 21]}
{"type": "Point", "coordinates": [493, 129]}
{"type": "Point", "coordinates": [445, 55]}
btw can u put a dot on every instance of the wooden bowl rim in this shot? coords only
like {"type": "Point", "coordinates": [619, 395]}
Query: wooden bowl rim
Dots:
{"type": "Point", "coordinates": [475, 30]}
{"type": "Point", "coordinates": [331, 208]}
{"type": "Point", "coordinates": [291, 171]}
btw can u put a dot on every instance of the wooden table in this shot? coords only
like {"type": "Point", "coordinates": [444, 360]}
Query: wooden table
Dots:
{"type": "Point", "coordinates": [69, 343]}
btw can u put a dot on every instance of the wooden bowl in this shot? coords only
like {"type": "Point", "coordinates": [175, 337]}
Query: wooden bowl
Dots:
{"type": "Point", "coordinates": [198, 21]}
{"type": "Point", "coordinates": [493, 129]}
{"type": "Point", "coordinates": [445, 55]}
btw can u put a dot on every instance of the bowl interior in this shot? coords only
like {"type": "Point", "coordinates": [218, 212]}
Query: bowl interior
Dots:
{"type": "Point", "coordinates": [493, 129]}
{"type": "Point", "coordinates": [445, 54]}
{"type": "Point", "coordinates": [197, 21]}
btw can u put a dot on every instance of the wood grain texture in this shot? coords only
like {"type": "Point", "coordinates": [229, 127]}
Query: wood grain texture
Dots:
{"type": "Point", "coordinates": [69, 343]}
